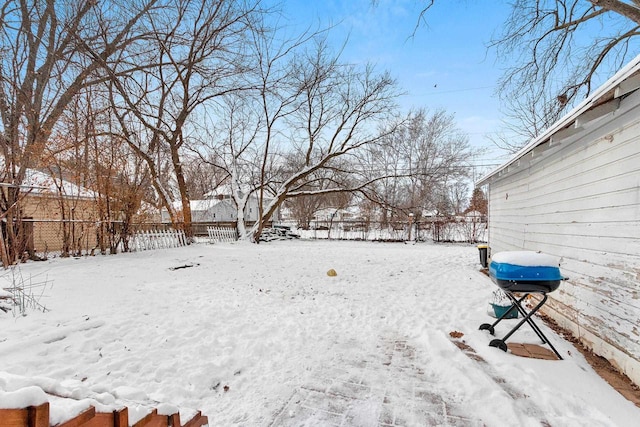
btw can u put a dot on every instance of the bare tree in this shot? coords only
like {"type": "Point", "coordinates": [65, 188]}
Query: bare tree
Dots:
{"type": "Point", "coordinates": [292, 135]}
{"type": "Point", "coordinates": [241, 137]}
{"type": "Point", "coordinates": [202, 177]}
{"type": "Point", "coordinates": [554, 40]}
{"type": "Point", "coordinates": [277, 97]}
{"type": "Point", "coordinates": [558, 60]}
{"type": "Point", "coordinates": [386, 159]}
{"type": "Point", "coordinates": [526, 115]}
{"type": "Point", "coordinates": [194, 54]}
{"type": "Point", "coordinates": [336, 110]}
{"type": "Point", "coordinates": [304, 208]}
{"type": "Point", "coordinates": [42, 67]}
{"type": "Point", "coordinates": [425, 156]}
{"type": "Point", "coordinates": [119, 178]}
{"type": "Point", "coordinates": [63, 160]}
{"type": "Point", "coordinates": [557, 51]}
{"type": "Point", "coordinates": [230, 148]}
{"type": "Point", "coordinates": [336, 179]}
{"type": "Point", "coordinates": [302, 131]}
{"type": "Point", "coordinates": [86, 151]}
{"type": "Point", "coordinates": [458, 193]}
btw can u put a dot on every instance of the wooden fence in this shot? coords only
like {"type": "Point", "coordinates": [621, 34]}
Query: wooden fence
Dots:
{"type": "Point", "coordinates": [159, 239]}
{"type": "Point", "coordinates": [38, 416]}
{"type": "Point", "coordinates": [222, 234]}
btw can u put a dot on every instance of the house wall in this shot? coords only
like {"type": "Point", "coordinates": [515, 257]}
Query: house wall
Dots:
{"type": "Point", "coordinates": [251, 211]}
{"type": "Point", "coordinates": [223, 211]}
{"type": "Point", "coordinates": [47, 228]}
{"type": "Point", "coordinates": [579, 199]}
{"type": "Point", "coordinates": [48, 207]}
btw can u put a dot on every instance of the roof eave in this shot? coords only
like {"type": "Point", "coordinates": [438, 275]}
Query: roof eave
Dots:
{"type": "Point", "coordinates": [593, 100]}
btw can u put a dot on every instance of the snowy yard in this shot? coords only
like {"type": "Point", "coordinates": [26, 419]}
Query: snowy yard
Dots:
{"type": "Point", "coordinates": [259, 335]}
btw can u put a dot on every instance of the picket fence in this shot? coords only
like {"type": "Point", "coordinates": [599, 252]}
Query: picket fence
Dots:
{"type": "Point", "coordinates": [222, 234]}
{"type": "Point", "coordinates": [159, 239]}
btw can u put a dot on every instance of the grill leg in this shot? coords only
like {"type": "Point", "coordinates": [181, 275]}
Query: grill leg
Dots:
{"type": "Point", "coordinates": [516, 306]}
{"type": "Point", "coordinates": [527, 316]}
{"type": "Point", "coordinates": [529, 320]}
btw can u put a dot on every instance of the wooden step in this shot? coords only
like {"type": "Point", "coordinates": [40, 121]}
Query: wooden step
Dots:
{"type": "Point", "coordinates": [38, 416]}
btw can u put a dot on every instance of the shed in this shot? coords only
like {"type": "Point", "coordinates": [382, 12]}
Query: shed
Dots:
{"type": "Point", "coordinates": [574, 192]}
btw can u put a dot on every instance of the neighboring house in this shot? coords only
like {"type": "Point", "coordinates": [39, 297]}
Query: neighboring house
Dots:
{"type": "Point", "coordinates": [42, 208]}
{"type": "Point", "coordinates": [471, 216]}
{"type": "Point", "coordinates": [220, 208]}
{"type": "Point", "coordinates": [574, 192]}
{"type": "Point", "coordinates": [336, 214]}
{"type": "Point", "coordinates": [431, 215]}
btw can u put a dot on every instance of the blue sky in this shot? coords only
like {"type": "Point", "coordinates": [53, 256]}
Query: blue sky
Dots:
{"type": "Point", "coordinates": [444, 64]}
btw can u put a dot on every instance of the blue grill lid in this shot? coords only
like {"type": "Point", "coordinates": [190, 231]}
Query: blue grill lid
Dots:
{"type": "Point", "coordinates": [511, 272]}
{"type": "Point", "coordinates": [524, 266]}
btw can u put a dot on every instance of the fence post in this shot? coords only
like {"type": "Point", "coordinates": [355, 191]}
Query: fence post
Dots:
{"type": "Point", "coordinates": [121, 417]}
{"type": "Point", "coordinates": [39, 415]}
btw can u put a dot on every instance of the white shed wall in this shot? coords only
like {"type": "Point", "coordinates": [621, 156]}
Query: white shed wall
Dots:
{"type": "Point", "coordinates": [222, 211]}
{"type": "Point", "coordinates": [580, 200]}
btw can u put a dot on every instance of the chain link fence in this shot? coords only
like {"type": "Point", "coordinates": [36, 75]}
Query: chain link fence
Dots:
{"type": "Point", "coordinates": [445, 230]}
{"type": "Point", "coordinates": [76, 238]}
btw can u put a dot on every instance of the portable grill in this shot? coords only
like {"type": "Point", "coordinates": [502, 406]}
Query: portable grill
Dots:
{"type": "Point", "coordinates": [523, 273]}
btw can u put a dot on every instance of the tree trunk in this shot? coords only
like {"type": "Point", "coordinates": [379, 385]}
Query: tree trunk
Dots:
{"type": "Point", "coordinates": [184, 193]}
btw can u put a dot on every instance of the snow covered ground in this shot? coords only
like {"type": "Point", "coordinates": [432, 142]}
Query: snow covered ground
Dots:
{"type": "Point", "coordinates": [259, 335]}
